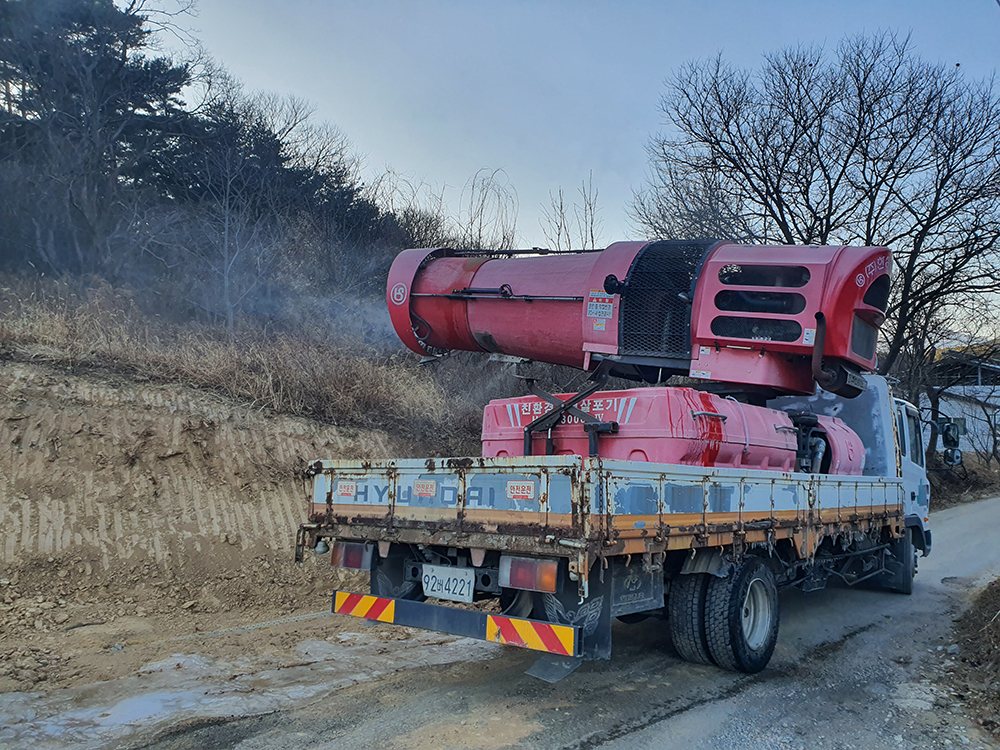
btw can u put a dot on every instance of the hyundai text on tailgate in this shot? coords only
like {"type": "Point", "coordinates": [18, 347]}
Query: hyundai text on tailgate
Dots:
{"type": "Point", "coordinates": [759, 452]}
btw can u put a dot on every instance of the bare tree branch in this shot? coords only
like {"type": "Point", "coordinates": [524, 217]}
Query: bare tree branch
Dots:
{"type": "Point", "coordinates": [869, 145]}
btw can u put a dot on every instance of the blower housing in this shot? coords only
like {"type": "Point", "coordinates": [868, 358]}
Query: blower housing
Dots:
{"type": "Point", "coordinates": [769, 319]}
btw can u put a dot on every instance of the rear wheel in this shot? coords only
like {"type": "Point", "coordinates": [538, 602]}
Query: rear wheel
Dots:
{"type": "Point", "coordinates": [741, 617]}
{"type": "Point", "coordinates": [686, 616]}
{"type": "Point", "coordinates": [904, 567]}
{"type": "Point", "coordinates": [516, 602]}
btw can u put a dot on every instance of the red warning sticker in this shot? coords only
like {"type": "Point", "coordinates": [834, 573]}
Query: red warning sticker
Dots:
{"type": "Point", "coordinates": [521, 490]}
{"type": "Point", "coordinates": [425, 488]}
{"type": "Point", "coordinates": [600, 304]}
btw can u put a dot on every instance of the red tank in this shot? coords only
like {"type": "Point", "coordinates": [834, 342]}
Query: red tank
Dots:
{"type": "Point", "coordinates": [768, 318]}
{"type": "Point", "coordinates": [676, 426]}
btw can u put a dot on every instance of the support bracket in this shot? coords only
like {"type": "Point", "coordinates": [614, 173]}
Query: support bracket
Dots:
{"type": "Point", "coordinates": [548, 421]}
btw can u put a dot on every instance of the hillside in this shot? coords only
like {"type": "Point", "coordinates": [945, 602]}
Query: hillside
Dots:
{"type": "Point", "coordinates": [110, 471]}
{"type": "Point", "coordinates": [131, 508]}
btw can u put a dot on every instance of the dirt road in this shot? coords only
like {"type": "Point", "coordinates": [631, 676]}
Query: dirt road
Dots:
{"type": "Point", "coordinates": [853, 669]}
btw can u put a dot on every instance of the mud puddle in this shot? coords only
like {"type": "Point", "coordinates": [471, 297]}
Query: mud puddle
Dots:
{"type": "Point", "coordinates": [189, 687]}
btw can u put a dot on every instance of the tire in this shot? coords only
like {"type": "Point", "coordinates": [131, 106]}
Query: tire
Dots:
{"type": "Point", "coordinates": [388, 578]}
{"type": "Point", "coordinates": [516, 603]}
{"type": "Point", "coordinates": [686, 617]}
{"type": "Point", "coordinates": [906, 555]}
{"type": "Point", "coordinates": [741, 617]}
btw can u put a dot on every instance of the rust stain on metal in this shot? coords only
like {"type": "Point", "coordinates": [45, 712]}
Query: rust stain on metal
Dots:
{"type": "Point", "coordinates": [591, 520]}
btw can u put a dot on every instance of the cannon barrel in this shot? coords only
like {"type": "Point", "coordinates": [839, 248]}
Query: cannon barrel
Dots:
{"type": "Point", "coordinates": [774, 318]}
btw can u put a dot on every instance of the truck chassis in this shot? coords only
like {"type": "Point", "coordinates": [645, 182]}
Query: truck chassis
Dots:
{"type": "Point", "coordinates": [705, 548]}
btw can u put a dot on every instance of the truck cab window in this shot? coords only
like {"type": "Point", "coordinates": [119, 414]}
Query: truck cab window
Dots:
{"type": "Point", "coordinates": [916, 443]}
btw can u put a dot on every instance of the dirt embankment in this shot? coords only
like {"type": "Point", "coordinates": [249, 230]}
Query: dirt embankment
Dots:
{"type": "Point", "coordinates": [976, 676]}
{"type": "Point", "coordinates": [133, 511]}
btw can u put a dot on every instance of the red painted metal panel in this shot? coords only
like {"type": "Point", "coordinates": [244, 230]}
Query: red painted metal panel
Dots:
{"type": "Point", "coordinates": [662, 425]}
{"type": "Point", "coordinates": [857, 269]}
{"type": "Point", "coordinates": [847, 453]}
{"type": "Point", "coordinates": [544, 330]}
{"type": "Point", "coordinates": [397, 294]}
{"type": "Point", "coordinates": [602, 333]}
{"type": "Point", "coordinates": [751, 352]}
{"type": "Point", "coordinates": [429, 310]}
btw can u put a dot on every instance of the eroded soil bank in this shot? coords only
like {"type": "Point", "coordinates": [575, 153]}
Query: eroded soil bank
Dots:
{"type": "Point", "coordinates": [135, 513]}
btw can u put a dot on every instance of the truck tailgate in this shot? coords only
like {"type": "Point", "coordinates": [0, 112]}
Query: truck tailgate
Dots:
{"type": "Point", "coordinates": [499, 503]}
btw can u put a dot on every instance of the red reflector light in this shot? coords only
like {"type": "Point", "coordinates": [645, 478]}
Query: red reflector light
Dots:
{"type": "Point", "coordinates": [522, 574]}
{"type": "Point", "coordinates": [529, 574]}
{"type": "Point", "coordinates": [355, 555]}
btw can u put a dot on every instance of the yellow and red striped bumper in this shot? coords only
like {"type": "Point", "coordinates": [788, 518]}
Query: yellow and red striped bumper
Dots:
{"type": "Point", "coordinates": [561, 640]}
{"type": "Point", "coordinates": [369, 607]}
{"type": "Point", "coordinates": [538, 636]}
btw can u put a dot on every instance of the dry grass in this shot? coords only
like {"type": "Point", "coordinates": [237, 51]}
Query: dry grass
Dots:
{"type": "Point", "coordinates": [305, 367]}
{"type": "Point", "coordinates": [968, 483]}
{"type": "Point", "coordinates": [305, 373]}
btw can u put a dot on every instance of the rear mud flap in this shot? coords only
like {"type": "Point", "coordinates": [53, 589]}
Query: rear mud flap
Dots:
{"type": "Point", "coordinates": [553, 668]}
{"type": "Point", "coordinates": [592, 616]}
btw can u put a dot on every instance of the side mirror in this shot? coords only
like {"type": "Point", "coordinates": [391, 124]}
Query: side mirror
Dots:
{"type": "Point", "coordinates": [949, 436]}
{"type": "Point", "coordinates": [952, 457]}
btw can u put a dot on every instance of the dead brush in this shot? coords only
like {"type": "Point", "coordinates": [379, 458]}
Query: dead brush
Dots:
{"type": "Point", "coordinates": [976, 678]}
{"type": "Point", "coordinates": [301, 373]}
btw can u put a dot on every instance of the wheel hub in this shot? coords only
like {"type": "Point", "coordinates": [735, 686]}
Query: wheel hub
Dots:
{"type": "Point", "coordinates": [756, 614]}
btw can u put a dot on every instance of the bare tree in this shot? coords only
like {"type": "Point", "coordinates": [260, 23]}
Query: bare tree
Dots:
{"type": "Point", "coordinates": [682, 205]}
{"type": "Point", "coordinates": [556, 223]}
{"type": "Point", "coordinates": [237, 176]}
{"type": "Point", "coordinates": [418, 207]}
{"type": "Point", "coordinates": [938, 361]}
{"type": "Point", "coordinates": [588, 221]}
{"type": "Point", "coordinates": [873, 147]}
{"type": "Point", "coordinates": [488, 215]}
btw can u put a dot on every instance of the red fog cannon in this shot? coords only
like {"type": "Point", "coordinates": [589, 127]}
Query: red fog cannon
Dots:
{"type": "Point", "coordinates": [750, 323]}
{"type": "Point", "coordinates": [770, 319]}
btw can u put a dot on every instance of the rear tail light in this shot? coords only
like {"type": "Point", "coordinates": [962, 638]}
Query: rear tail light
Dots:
{"type": "Point", "coordinates": [356, 555]}
{"type": "Point", "coordinates": [529, 574]}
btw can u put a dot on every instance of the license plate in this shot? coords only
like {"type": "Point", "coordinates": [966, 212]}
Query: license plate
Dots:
{"type": "Point", "coordinates": [454, 584]}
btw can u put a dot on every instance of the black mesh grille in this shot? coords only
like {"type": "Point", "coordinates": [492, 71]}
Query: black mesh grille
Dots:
{"type": "Point", "coordinates": [656, 300]}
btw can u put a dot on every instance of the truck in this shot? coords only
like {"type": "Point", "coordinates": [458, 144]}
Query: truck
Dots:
{"type": "Point", "coordinates": [758, 451]}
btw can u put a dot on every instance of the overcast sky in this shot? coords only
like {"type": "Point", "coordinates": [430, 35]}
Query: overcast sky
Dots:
{"type": "Point", "coordinates": [548, 91]}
